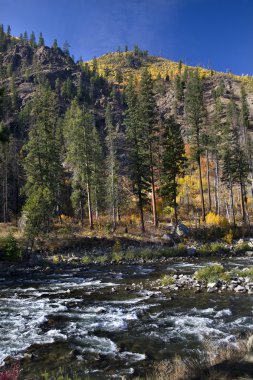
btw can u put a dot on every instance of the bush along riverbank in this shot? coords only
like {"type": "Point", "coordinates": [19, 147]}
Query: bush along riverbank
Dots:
{"type": "Point", "coordinates": [212, 278]}
{"type": "Point", "coordinates": [14, 258]}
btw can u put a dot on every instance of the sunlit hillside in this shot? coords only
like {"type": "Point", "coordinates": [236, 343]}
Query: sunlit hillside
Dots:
{"type": "Point", "coordinates": [117, 67]}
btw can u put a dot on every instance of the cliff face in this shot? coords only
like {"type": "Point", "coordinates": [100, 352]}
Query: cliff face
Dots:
{"type": "Point", "coordinates": [27, 66]}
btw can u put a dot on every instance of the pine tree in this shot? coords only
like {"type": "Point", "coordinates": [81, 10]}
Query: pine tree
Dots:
{"type": "Point", "coordinates": [33, 40]}
{"type": "Point", "coordinates": [173, 162]}
{"type": "Point", "coordinates": [137, 150]}
{"type": "Point", "coordinates": [8, 31]}
{"type": "Point", "coordinates": [25, 37]}
{"type": "Point", "coordinates": [247, 139]}
{"type": "Point", "coordinates": [235, 163]}
{"type": "Point", "coordinates": [215, 134]}
{"type": "Point", "coordinates": [79, 140]}
{"type": "Point", "coordinates": [65, 48]}
{"type": "Point", "coordinates": [55, 44]}
{"type": "Point", "coordinates": [42, 164]}
{"type": "Point", "coordinates": [195, 114]}
{"type": "Point", "coordinates": [41, 40]}
{"type": "Point", "coordinates": [113, 166]}
{"type": "Point", "coordinates": [98, 173]}
{"type": "Point", "coordinates": [148, 125]}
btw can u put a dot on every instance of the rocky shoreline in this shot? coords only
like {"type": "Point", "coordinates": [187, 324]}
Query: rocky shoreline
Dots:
{"type": "Point", "coordinates": [189, 282]}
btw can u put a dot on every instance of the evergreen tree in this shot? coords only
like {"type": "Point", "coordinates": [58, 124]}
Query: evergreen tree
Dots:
{"type": "Point", "coordinates": [137, 150]}
{"type": "Point", "coordinates": [244, 119]}
{"type": "Point", "coordinates": [195, 114]}
{"type": "Point", "coordinates": [41, 40]}
{"type": "Point", "coordinates": [55, 44]}
{"type": "Point", "coordinates": [8, 31]}
{"type": "Point", "coordinates": [42, 164]}
{"type": "Point", "coordinates": [25, 37]}
{"type": "Point", "coordinates": [113, 167]}
{"type": "Point", "coordinates": [215, 134]}
{"type": "Point", "coordinates": [33, 40]}
{"type": "Point", "coordinates": [148, 125]}
{"type": "Point", "coordinates": [65, 48]}
{"type": "Point", "coordinates": [79, 140]}
{"type": "Point", "coordinates": [98, 173]}
{"type": "Point", "coordinates": [238, 168]}
{"type": "Point", "coordinates": [173, 162]}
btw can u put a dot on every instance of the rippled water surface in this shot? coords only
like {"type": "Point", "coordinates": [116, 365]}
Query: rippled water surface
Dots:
{"type": "Point", "coordinates": [90, 320]}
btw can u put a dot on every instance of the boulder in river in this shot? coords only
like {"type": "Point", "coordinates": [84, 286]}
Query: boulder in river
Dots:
{"type": "Point", "coordinates": [182, 230]}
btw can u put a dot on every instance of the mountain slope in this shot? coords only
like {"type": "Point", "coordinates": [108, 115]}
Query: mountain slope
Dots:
{"type": "Point", "coordinates": [131, 63]}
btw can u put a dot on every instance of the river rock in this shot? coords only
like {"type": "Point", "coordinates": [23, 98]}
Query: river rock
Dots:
{"type": "Point", "coordinates": [212, 290]}
{"type": "Point", "coordinates": [212, 284]}
{"type": "Point", "coordinates": [249, 253]}
{"type": "Point", "coordinates": [240, 289]}
{"type": "Point", "coordinates": [35, 260]}
{"type": "Point", "coordinates": [191, 251]}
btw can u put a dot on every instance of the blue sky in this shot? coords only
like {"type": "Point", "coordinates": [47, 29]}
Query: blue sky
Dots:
{"type": "Point", "coordinates": [211, 33]}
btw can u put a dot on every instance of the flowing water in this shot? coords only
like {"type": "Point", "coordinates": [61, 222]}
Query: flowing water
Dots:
{"type": "Point", "coordinates": [90, 319]}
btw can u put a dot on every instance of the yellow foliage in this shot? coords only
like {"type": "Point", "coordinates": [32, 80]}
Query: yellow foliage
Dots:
{"type": "Point", "coordinates": [216, 220]}
{"type": "Point", "coordinates": [228, 238]}
{"type": "Point", "coordinates": [112, 62]}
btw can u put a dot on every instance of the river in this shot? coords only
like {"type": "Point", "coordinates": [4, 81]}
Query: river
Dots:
{"type": "Point", "coordinates": [96, 321]}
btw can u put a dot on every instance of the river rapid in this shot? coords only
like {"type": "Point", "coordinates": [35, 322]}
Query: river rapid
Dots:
{"type": "Point", "coordinates": [106, 322]}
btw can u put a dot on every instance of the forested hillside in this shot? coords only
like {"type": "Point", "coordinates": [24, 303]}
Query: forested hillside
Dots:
{"type": "Point", "coordinates": [123, 141]}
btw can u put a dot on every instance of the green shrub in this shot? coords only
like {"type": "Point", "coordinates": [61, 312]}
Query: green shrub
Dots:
{"type": "Point", "coordinates": [211, 273]}
{"type": "Point", "coordinates": [130, 255]}
{"type": "Point", "coordinates": [242, 247]}
{"type": "Point", "coordinates": [246, 272]}
{"type": "Point", "coordinates": [101, 259]}
{"type": "Point", "coordinates": [117, 257]}
{"type": "Point", "coordinates": [215, 248]}
{"type": "Point", "coordinates": [86, 260]}
{"type": "Point", "coordinates": [167, 280]}
{"type": "Point", "coordinates": [181, 249]}
{"type": "Point", "coordinates": [9, 248]}
{"type": "Point", "coordinates": [117, 246]}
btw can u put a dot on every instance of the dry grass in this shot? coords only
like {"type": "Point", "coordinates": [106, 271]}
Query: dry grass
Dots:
{"type": "Point", "coordinates": [206, 364]}
{"type": "Point", "coordinates": [7, 228]}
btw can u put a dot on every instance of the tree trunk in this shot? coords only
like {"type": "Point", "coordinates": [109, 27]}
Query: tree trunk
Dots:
{"type": "Point", "coordinates": [89, 206]}
{"type": "Point", "coordinates": [201, 192]}
{"type": "Point", "coordinates": [155, 219]}
{"type": "Point", "coordinates": [242, 202]}
{"type": "Point", "coordinates": [232, 202]}
{"type": "Point", "coordinates": [175, 204]}
{"type": "Point", "coordinates": [208, 182]}
{"type": "Point", "coordinates": [217, 187]}
{"type": "Point", "coordinates": [141, 208]}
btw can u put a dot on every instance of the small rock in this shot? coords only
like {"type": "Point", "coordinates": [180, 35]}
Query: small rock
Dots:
{"type": "Point", "coordinates": [240, 289]}
{"type": "Point", "coordinates": [211, 290]}
{"type": "Point", "coordinates": [191, 251]}
{"type": "Point", "coordinates": [249, 343]}
{"type": "Point", "coordinates": [212, 284]}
